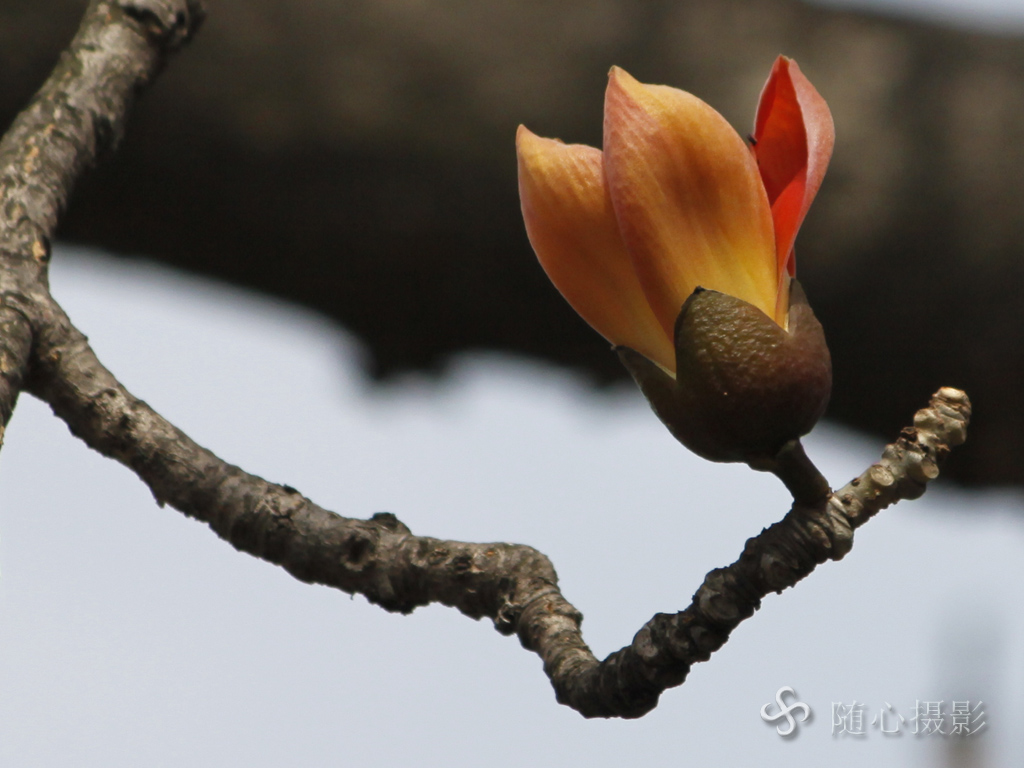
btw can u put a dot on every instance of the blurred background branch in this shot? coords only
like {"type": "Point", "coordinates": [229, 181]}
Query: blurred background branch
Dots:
{"type": "Point", "coordinates": [358, 158]}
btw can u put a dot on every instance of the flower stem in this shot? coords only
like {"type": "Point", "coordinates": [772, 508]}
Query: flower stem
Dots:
{"type": "Point", "coordinates": [798, 474]}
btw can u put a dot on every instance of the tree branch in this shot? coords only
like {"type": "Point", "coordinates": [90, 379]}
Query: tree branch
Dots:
{"type": "Point", "coordinates": [77, 115]}
{"type": "Point", "coordinates": [513, 585]}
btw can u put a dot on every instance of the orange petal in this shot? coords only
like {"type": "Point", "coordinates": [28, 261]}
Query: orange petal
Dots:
{"type": "Point", "coordinates": [793, 135]}
{"type": "Point", "coordinates": [572, 228]}
{"type": "Point", "coordinates": [688, 197]}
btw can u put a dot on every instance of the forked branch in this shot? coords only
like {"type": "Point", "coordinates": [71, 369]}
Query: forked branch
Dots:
{"type": "Point", "coordinates": [77, 115]}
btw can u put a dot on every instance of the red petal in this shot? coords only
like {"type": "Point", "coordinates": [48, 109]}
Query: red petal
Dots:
{"type": "Point", "coordinates": [793, 135]}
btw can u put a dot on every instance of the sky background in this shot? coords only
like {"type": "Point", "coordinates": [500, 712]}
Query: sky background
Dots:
{"type": "Point", "coordinates": [131, 636]}
{"type": "Point", "coordinates": [989, 15]}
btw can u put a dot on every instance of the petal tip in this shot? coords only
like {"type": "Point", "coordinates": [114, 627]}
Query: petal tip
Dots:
{"type": "Point", "coordinates": [524, 136]}
{"type": "Point", "coordinates": [621, 82]}
{"type": "Point", "coordinates": [532, 149]}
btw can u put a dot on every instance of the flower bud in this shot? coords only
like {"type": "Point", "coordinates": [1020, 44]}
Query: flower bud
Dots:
{"type": "Point", "coordinates": [677, 200]}
{"type": "Point", "coordinates": [744, 386]}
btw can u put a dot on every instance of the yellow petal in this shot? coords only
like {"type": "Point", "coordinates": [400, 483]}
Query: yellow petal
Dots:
{"type": "Point", "coordinates": [691, 207]}
{"type": "Point", "coordinates": [572, 227]}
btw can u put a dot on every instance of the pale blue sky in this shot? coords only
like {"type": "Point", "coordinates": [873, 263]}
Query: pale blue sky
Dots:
{"type": "Point", "coordinates": [991, 15]}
